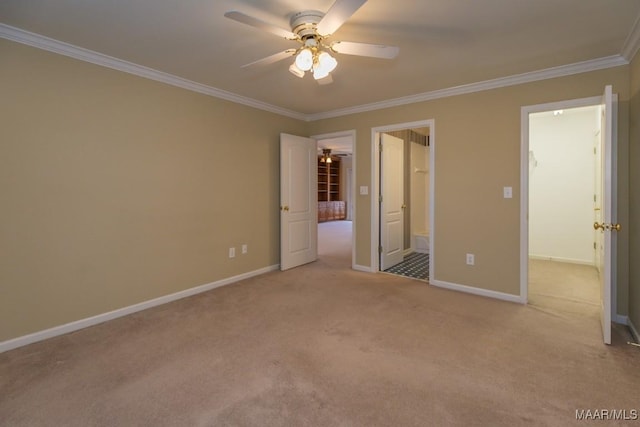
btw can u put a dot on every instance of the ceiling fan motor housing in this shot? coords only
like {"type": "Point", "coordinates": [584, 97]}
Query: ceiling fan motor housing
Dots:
{"type": "Point", "coordinates": [304, 23]}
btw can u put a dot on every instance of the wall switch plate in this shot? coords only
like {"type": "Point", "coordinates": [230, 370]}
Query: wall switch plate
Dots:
{"type": "Point", "coordinates": [508, 192]}
{"type": "Point", "coordinates": [232, 252]}
{"type": "Point", "coordinates": [245, 249]}
{"type": "Point", "coordinates": [471, 259]}
{"type": "Point", "coordinates": [364, 190]}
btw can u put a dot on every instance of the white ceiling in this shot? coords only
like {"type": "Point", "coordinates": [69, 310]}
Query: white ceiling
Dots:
{"type": "Point", "coordinates": [443, 43]}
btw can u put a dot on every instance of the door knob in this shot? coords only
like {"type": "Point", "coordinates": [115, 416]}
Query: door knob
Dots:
{"type": "Point", "coordinates": [597, 225]}
{"type": "Point", "coordinates": [284, 208]}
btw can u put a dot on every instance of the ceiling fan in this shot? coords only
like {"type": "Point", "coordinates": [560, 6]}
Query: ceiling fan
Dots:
{"type": "Point", "coordinates": [311, 29]}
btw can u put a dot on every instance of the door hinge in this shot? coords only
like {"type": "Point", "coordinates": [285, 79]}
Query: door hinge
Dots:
{"type": "Point", "coordinates": [594, 198]}
{"type": "Point", "coordinates": [594, 245]}
{"type": "Point", "coordinates": [380, 199]}
{"type": "Point", "coordinates": [379, 249]}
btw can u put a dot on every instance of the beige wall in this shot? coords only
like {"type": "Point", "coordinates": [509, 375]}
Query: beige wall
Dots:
{"type": "Point", "coordinates": [117, 189]}
{"type": "Point", "coordinates": [634, 193]}
{"type": "Point", "coordinates": [477, 152]}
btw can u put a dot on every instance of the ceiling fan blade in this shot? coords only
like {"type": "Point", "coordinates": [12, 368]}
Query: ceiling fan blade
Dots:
{"type": "Point", "coordinates": [255, 22]}
{"type": "Point", "coordinates": [272, 58]}
{"type": "Point", "coordinates": [339, 12]}
{"type": "Point", "coordinates": [365, 49]}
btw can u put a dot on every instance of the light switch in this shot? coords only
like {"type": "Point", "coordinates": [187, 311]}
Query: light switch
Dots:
{"type": "Point", "coordinates": [364, 190]}
{"type": "Point", "coordinates": [508, 192]}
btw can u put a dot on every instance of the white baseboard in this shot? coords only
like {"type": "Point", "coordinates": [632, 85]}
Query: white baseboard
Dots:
{"type": "Point", "coordinates": [104, 317]}
{"type": "Point", "coordinates": [634, 331]}
{"type": "Point", "coordinates": [557, 259]}
{"type": "Point", "coordinates": [478, 291]}
{"type": "Point", "coordinates": [362, 268]}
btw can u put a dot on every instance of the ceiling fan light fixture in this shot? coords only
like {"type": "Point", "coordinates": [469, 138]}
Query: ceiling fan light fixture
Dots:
{"type": "Point", "coordinates": [304, 60]}
{"type": "Point", "coordinates": [320, 73]}
{"type": "Point", "coordinates": [327, 62]}
{"type": "Point", "coordinates": [296, 71]}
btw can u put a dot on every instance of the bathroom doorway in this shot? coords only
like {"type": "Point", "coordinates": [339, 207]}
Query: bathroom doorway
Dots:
{"type": "Point", "coordinates": [402, 202]}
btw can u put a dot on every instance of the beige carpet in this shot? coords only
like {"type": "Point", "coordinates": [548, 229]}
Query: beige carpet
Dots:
{"type": "Point", "coordinates": [322, 345]}
{"type": "Point", "coordinates": [564, 287]}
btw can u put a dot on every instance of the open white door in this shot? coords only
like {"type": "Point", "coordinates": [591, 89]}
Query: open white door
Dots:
{"type": "Point", "coordinates": [298, 201]}
{"type": "Point", "coordinates": [607, 227]}
{"type": "Point", "coordinates": [392, 200]}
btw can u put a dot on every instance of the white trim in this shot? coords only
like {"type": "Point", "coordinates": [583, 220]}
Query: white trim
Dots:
{"type": "Point", "coordinates": [104, 317]}
{"type": "Point", "coordinates": [66, 49]}
{"type": "Point", "coordinates": [524, 202]}
{"type": "Point", "coordinates": [632, 43]}
{"type": "Point", "coordinates": [549, 73]}
{"type": "Point", "coordinates": [634, 330]}
{"type": "Point", "coordinates": [350, 133]}
{"type": "Point", "coordinates": [363, 268]}
{"type": "Point", "coordinates": [477, 291]}
{"type": "Point", "coordinates": [374, 190]}
{"type": "Point", "coordinates": [62, 48]}
{"type": "Point", "coordinates": [565, 260]}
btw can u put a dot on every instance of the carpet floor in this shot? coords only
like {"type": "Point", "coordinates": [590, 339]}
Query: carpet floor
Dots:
{"type": "Point", "coordinates": [324, 345]}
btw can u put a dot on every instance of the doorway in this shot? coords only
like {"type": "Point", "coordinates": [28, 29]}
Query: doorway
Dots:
{"type": "Point", "coordinates": [564, 177]}
{"type": "Point", "coordinates": [336, 201]}
{"type": "Point", "coordinates": [601, 195]}
{"type": "Point", "coordinates": [402, 194]}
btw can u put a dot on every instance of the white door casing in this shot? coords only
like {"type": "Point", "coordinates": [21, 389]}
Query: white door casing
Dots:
{"type": "Point", "coordinates": [298, 201]}
{"type": "Point", "coordinates": [392, 200]}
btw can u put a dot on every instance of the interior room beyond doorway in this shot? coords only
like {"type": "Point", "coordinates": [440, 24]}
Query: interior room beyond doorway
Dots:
{"type": "Point", "coordinates": [404, 222]}
{"type": "Point", "coordinates": [563, 192]}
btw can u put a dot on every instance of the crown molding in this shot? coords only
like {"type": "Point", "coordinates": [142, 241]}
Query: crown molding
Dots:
{"type": "Point", "coordinates": [632, 43]}
{"type": "Point", "coordinates": [36, 40]}
{"type": "Point", "coordinates": [66, 49]}
{"type": "Point", "coordinates": [549, 73]}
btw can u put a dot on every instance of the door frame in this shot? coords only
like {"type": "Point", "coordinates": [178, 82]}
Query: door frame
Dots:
{"type": "Point", "coordinates": [375, 190]}
{"type": "Point", "coordinates": [524, 187]}
{"type": "Point", "coordinates": [352, 134]}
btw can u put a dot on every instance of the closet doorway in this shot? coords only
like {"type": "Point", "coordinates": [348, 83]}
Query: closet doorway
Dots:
{"type": "Point", "coordinates": [569, 171]}
{"type": "Point", "coordinates": [564, 167]}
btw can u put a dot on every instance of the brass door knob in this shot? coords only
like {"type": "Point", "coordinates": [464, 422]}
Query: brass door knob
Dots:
{"type": "Point", "coordinates": [597, 225]}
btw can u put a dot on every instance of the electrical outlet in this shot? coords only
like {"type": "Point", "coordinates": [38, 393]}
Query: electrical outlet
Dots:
{"type": "Point", "coordinates": [471, 259]}
{"type": "Point", "coordinates": [232, 252]}
{"type": "Point", "coordinates": [245, 249]}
